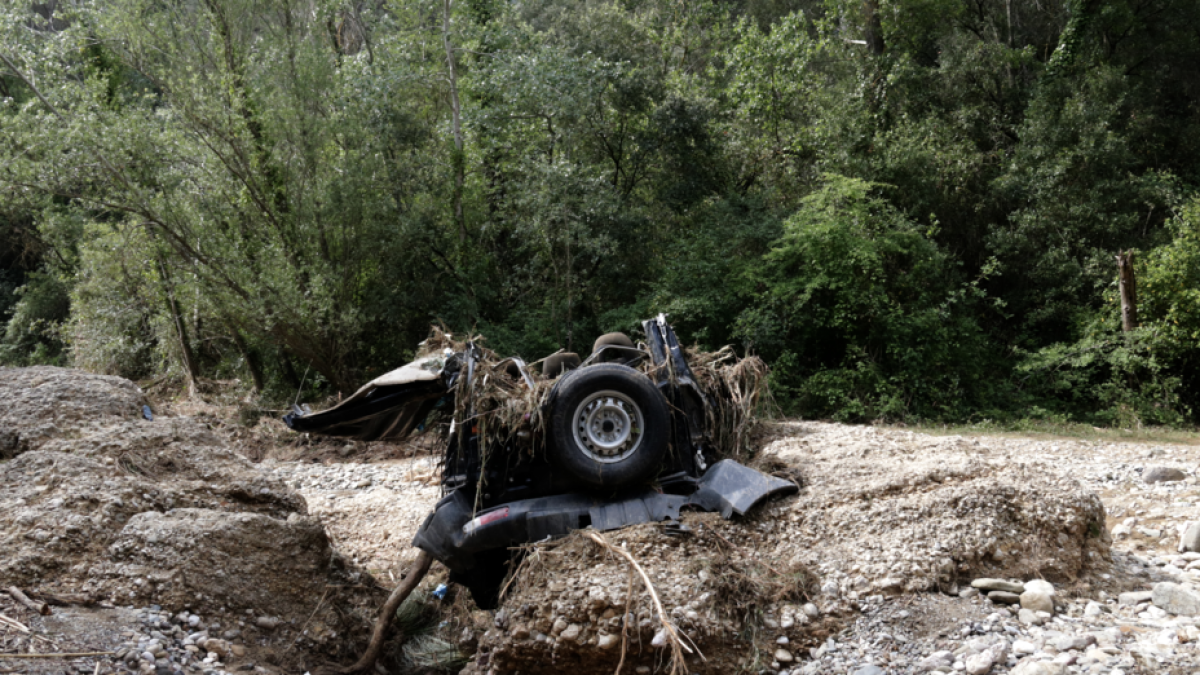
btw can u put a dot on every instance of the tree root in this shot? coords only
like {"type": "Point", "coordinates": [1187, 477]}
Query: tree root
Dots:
{"type": "Point", "coordinates": [416, 573]}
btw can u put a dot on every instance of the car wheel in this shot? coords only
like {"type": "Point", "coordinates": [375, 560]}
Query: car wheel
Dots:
{"type": "Point", "coordinates": [557, 364]}
{"type": "Point", "coordinates": [609, 426]}
{"type": "Point", "coordinates": [619, 339]}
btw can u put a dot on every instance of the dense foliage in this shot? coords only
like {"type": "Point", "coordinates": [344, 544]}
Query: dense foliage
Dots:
{"type": "Point", "coordinates": [911, 208]}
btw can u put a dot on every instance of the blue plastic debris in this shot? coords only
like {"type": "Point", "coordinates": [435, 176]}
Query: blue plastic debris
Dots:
{"type": "Point", "coordinates": [440, 592]}
{"type": "Point", "coordinates": [147, 413]}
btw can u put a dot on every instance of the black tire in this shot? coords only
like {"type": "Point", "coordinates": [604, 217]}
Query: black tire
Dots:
{"type": "Point", "coordinates": [609, 426]}
{"type": "Point", "coordinates": [557, 364]}
{"type": "Point", "coordinates": [619, 339]}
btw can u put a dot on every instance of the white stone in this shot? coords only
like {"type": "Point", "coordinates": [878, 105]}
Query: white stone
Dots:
{"type": "Point", "coordinates": [981, 663]}
{"type": "Point", "coordinates": [1038, 668]}
{"type": "Point", "coordinates": [1037, 601]}
{"type": "Point", "coordinates": [1023, 647]}
{"type": "Point", "coordinates": [1040, 586]}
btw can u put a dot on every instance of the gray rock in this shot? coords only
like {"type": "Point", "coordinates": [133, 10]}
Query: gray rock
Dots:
{"type": "Point", "coordinates": [869, 670]}
{"type": "Point", "coordinates": [1190, 540]}
{"type": "Point", "coordinates": [1135, 597]}
{"type": "Point", "coordinates": [1093, 608]}
{"type": "Point", "coordinates": [942, 659]}
{"type": "Point", "coordinates": [1076, 642]}
{"type": "Point", "coordinates": [1037, 601]}
{"type": "Point", "coordinates": [1162, 474]}
{"type": "Point", "coordinates": [811, 610]}
{"type": "Point", "coordinates": [997, 585]}
{"type": "Point", "coordinates": [268, 622]}
{"type": "Point", "coordinates": [783, 656]}
{"type": "Point", "coordinates": [607, 641]}
{"type": "Point", "coordinates": [1004, 598]}
{"type": "Point", "coordinates": [1176, 599]}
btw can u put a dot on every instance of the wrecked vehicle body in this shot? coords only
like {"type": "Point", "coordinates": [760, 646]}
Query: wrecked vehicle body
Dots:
{"type": "Point", "coordinates": [629, 435]}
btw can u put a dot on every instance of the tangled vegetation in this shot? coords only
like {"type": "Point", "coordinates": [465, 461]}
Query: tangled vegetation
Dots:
{"type": "Point", "coordinates": [909, 208]}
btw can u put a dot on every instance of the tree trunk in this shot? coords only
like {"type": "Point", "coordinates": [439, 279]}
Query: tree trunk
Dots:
{"type": "Point", "coordinates": [456, 124]}
{"type": "Point", "coordinates": [252, 363]}
{"type": "Point", "coordinates": [185, 347]}
{"type": "Point", "coordinates": [1128, 285]}
{"type": "Point", "coordinates": [874, 26]}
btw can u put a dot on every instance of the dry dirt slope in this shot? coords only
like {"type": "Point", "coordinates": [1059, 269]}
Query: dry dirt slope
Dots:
{"type": "Point", "coordinates": [226, 564]}
{"type": "Point", "coordinates": [107, 509]}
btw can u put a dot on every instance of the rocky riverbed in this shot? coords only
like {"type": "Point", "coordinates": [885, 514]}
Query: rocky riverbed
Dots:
{"type": "Point", "coordinates": [867, 615]}
{"type": "Point", "coordinates": [167, 552]}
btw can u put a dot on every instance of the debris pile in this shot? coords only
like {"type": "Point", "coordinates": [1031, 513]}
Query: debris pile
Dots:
{"type": "Point", "coordinates": [875, 520]}
{"type": "Point", "coordinates": [510, 411]}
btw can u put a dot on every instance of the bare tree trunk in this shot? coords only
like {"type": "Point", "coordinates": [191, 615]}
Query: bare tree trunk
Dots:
{"type": "Point", "coordinates": [874, 26]}
{"type": "Point", "coordinates": [185, 347]}
{"type": "Point", "coordinates": [1128, 284]}
{"type": "Point", "coordinates": [456, 124]}
{"type": "Point", "coordinates": [252, 364]}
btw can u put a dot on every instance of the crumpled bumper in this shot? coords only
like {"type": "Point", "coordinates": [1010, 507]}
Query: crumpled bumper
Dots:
{"type": "Point", "coordinates": [453, 534]}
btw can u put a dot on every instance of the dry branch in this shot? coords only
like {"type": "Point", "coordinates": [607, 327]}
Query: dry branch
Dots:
{"type": "Point", "coordinates": [625, 622]}
{"type": "Point", "coordinates": [65, 599]}
{"type": "Point", "coordinates": [13, 623]}
{"type": "Point", "coordinates": [59, 655]}
{"type": "Point", "coordinates": [416, 573]}
{"type": "Point", "coordinates": [39, 607]}
{"type": "Point", "coordinates": [677, 645]}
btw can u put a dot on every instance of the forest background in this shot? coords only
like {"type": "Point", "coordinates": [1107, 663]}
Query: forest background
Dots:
{"type": "Point", "coordinates": [911, 208]}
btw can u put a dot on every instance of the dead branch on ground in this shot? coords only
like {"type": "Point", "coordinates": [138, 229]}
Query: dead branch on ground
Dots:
{"type": "Point", "coordinates": [625, 622]}
{"type": "Point", "coordinates": [39, 607]}
{"type": "Point", "coordinates": [673, 636]}
{"type": "Point", "coordinates": [416, 573]}
{"type": "Point", "coordinates": [58, 655]}
{"type": "Point", "coordinates": [13, 623]}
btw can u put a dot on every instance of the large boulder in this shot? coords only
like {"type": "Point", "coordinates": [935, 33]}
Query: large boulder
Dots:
{"type": "Point", "coordinates": [240, 561]}
{"type": "Point", "coordinates": [103, 503]}
{"type": "Point", "coordinates": [45, 402]}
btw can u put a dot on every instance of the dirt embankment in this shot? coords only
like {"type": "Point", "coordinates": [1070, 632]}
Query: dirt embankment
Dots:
{"type": "Point", "coordinates": [873, 519]}
{"type": "Point", "coordinates": [99, 503]}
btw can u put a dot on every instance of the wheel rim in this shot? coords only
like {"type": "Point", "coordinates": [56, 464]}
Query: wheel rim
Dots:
{"type": "Point", "coordinates": [608, 426]}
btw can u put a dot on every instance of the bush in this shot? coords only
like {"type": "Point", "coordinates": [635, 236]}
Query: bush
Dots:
{"type": "Point", "coordinates": [31, 336]}
{"type": "Point", "coordinates": [861, 313]}
{"type": "Point", "coordinates": [1108, 378]}
{"type": "Point", "coordinates": [112, 326]}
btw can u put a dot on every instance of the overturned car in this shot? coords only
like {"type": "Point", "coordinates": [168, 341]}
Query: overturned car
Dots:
{"type": "Point", "coordinates": [634, 433]}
